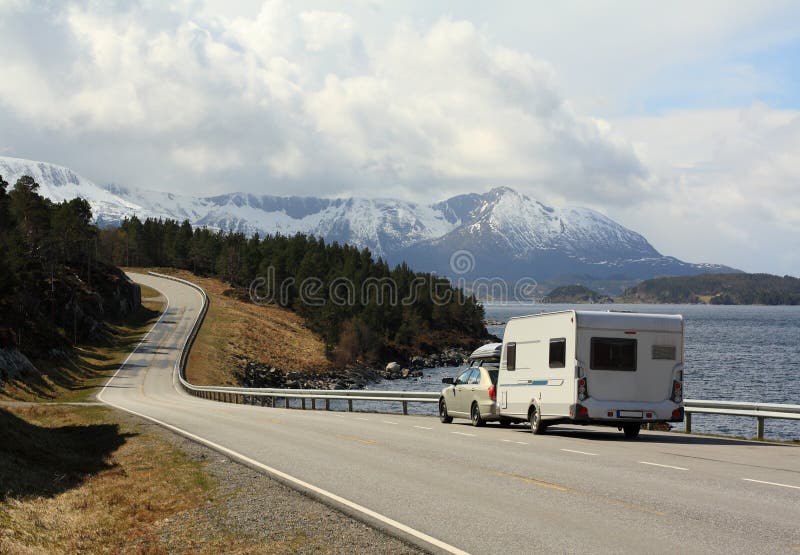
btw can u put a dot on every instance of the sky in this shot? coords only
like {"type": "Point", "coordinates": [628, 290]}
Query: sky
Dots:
{"type": "Point", "coordinates": [680, 120]}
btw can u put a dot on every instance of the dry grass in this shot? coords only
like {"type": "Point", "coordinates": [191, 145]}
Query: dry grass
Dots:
{"type": "Point", "coordinates": [236, 330]}
{"type": "Point", "coordinates": [88, 479]}
{"type": "Point", "coordinates": [77, 378]}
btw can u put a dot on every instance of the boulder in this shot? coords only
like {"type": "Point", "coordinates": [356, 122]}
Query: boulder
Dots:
{"type": "Point", "coordinates": [393, 367]}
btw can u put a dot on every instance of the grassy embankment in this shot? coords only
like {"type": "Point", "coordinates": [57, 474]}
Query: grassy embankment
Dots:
{"type": "Point", "coordinates": [77, 378]}
{"type": "Point", "coordinates": [91, 479]}
{"type": "Point", "coordinates": [236, 330]}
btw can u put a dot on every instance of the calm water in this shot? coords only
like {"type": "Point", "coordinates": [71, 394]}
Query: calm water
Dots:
{"type": "Point", "coordinates": [734, 353]}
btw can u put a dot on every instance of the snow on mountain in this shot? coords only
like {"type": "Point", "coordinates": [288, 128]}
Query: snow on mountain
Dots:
{"type": "Point", "coordinates": [59, 183]}
{"type": "Point", "coordinates": [509, 234]}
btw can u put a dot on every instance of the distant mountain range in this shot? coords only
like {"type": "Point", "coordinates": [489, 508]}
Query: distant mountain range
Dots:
{"type": "Point", "coordinates": [502, 233]}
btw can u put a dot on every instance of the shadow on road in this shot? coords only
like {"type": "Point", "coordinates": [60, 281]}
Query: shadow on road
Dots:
{"type": "Point", "coordinates": [42, 461]}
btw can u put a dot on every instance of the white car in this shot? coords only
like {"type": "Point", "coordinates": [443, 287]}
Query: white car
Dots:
{"type": "Point", "coordinates": [473, 394]}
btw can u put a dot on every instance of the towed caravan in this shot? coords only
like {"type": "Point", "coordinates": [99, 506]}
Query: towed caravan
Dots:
{"type": "Point", "coordinates": [590, 367]}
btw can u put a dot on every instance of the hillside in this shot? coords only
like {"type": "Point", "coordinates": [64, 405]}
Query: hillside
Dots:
{"type": "Point", "coordinates": [764, 289]}
{"type": "Point", "coordinates": [508, 234]}
{"type": "Point", "coordinates": [576, 294]}
{"type": "Point", "coordinates": [56, 297]}
{"type": "Point", "coordinates": [237, 331]}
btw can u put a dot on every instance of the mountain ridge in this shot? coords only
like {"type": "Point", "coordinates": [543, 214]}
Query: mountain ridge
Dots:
{"type": "Point", "coordinates": [508, 235]}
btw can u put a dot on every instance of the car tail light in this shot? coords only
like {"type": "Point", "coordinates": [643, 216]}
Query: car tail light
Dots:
{"type": "Point", "coordinates": [583, 391]}
{"type": "Point", "coordinates": [677, 391]}
{"type": "Point", "coordinates": [677, 413]}
{"type": "Point", "coordinates": [492, 393]}
{"type": "Point", "coordinates": [582, 411]}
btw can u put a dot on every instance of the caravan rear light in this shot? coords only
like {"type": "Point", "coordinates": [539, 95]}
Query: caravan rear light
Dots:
{"type": "Point", "coordinates": [492, 393]}
{"type": "Point", "coordinates": [583, 392]}
{"type": "Point", "coordinates": [677, 391]}
{"type": "Point", "coordinates": [649, 415]}
{"type": "Point", "coordinates": [582, 411]}
{"type": "Point", "coordinates": [677, 413]}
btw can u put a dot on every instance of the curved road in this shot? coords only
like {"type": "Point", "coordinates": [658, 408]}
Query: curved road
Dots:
{"type": "Point", "coordinates": [489, 490]}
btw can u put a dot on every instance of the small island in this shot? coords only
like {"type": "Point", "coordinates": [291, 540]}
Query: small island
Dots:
{"type": "Point", "coordinates": [577, 294]}
{"type": "Point", "coordinates": [739, 288]}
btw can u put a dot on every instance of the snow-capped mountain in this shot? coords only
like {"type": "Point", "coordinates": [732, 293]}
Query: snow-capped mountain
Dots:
{"type": "Point", "coordinates": [508, 235]}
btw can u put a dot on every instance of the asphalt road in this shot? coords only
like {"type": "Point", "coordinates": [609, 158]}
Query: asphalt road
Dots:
{"type": "Point", "coordinates": [491, 490]}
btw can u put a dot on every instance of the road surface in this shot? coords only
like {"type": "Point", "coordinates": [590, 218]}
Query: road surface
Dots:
{"type": "Point", "coordinates": [489, 490]}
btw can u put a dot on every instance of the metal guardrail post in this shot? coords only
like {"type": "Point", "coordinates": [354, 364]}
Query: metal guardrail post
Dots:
{"type": "Point", "coordinates": [286, 402]}
{"type": "Point", "coordinates": [303, 403]}
{"type": "Point", "coordinates": [349, 405]}
{"type": "Point", "coordinates": [405, 407]}
{"type": "Point", "coordinates": [313, 404]}
{"type": "Point", "coordinates": [327, 404]}
{"type": "Point", "coordinates": [760, 427]}
{"type": "Point", "coordinates": [687, 422]}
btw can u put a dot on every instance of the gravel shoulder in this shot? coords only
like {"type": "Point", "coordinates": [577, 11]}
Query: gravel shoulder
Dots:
{"type": "Point", "coordinates": [267, 514]}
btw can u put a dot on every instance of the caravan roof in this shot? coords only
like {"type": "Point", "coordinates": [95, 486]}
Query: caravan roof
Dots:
{"type": "Point", "coordinates": [613, 320]}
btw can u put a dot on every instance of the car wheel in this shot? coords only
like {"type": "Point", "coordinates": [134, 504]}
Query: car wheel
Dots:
{"type": "Point", "coordinates": [537, 426]}
{"type": "Point", "coordinates": [475, 415]}
{"type": "Point", "coordinates": [443, 418]}
{"type": "Point", "coordinates": [631, 430]}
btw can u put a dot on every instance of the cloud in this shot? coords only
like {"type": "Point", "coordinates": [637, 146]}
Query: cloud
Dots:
{"type": "Point", "coordinates": [426, 104]}
{"type": "Point", "coordinates": [727, 184]}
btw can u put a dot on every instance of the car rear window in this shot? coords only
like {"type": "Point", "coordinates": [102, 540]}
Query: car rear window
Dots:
{"type": "Point", "coordinates": [611, 353]}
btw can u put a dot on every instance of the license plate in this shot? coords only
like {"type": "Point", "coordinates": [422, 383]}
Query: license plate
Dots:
{"type": "Point", "coordinates": [629, 414]}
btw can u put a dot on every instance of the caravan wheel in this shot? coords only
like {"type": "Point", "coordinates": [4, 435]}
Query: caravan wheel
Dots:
{"type": "Point", "coordinates": [537, 426]}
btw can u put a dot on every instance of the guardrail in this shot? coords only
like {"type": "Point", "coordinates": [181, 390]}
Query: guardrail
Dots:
{"type": "Point", "coordinates": [247, 395]}
{"type": "Point", "coordinates": [759, 411]}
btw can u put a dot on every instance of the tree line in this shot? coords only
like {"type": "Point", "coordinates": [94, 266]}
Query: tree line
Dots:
{"type": "Point", "coordinates": [738, 288]}
{"type": "Point", "coordinates": [366, 328]}
{"type": "Point", "coordinates": [47, 264]}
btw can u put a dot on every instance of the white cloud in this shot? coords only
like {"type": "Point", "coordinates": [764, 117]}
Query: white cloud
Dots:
{"type": "Point", "coordinates": [322, 29]}
{"type": "Point", "coordinates": [728, 177]}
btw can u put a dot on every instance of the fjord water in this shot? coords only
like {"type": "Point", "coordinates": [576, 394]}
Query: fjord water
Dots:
{"type": "Point", "coordinates": [732, 353]}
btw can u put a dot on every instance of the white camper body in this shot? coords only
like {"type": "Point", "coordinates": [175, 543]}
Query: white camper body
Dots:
{"type": "Point", "coordinates": [613, 368]}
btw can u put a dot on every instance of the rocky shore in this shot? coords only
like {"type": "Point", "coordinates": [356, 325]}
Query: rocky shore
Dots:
{"type": "Point", "coordinates": [260, 375]}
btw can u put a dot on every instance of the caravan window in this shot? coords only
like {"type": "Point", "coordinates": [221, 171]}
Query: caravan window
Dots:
{"type": "Point", "coordinates": [511, 356]}
{"type": "Point", "coordinates": [558, 353]}
{"type": "Point", "coordinates": [613, 354]}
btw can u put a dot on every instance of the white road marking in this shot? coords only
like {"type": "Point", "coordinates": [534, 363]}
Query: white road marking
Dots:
{"type": "Point", "coordinates": [579, 452]}
{"type": "Point", "coordinates": [463, 434]}
{"type": "Point", "coordinates": [770, 483]}
{"type": "Point", "coordinates": [338, 415]}
{"type": "Point", "coordinates": [423, 428]}
{"type": "Point", "coordinates": [364, 419]}
{"type": "Point", "coordinates": [521, 442]}
{"type": "Point", "coordinates": [663, 465]}
{"type": "Point", "coordinates": [507, 440]}
{"type": "Point", "coordinates": [389, 422]}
